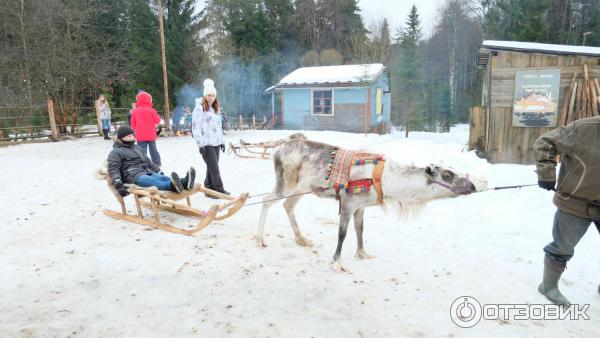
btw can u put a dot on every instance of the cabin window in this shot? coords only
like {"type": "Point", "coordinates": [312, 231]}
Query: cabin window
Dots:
{"type": "Point", "coordinates": [322, 102]}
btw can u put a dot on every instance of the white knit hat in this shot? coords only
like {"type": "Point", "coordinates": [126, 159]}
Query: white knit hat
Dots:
{"type": "Point", "coordinates": [209, 88]}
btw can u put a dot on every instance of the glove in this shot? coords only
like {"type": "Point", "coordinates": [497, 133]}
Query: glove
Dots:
{"type": "Point", "coordinates": [121, 188]}
{"type": "Point", "coordinates": [548, 185]}
{"type": "Point", "coordinates": [222, 146]}
{"type": "Point", "coordinates": [202, 151]}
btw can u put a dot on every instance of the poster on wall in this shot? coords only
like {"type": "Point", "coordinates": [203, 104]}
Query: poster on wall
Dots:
{"type": "Point", "coordinates": [536, 98]}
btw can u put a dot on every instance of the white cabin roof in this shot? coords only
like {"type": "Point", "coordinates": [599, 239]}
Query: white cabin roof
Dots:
{"type": "Point", "coordinates": [345, 74]}
{"type": "Point", "coordinates": [540, 47]}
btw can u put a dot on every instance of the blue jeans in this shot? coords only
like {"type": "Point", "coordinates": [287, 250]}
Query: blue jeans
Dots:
{"type": "Point", "coordinates": [154, 155]}
{"type": "Point", "coordinates": [162, 182]}
{"type": "Point", "coordinates": [105, 123]}
{"type": "Point", "coordinates": [566, 232]}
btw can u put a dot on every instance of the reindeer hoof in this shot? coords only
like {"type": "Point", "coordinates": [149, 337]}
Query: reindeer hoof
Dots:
{"type": "Point", "coordinates": [301, 240]}
{"type": "Point", "coordinates": [338, 267]}
{"type": "Point", "coordinates": [260, 242]}
{"type": "Point", "coordinates": [362, 254]}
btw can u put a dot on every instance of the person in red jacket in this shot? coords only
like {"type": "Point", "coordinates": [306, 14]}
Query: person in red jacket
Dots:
{"type": "Point", "coordinates": [144, 120]}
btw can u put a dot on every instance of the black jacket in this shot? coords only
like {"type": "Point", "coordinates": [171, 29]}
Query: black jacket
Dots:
{"type": "Point", "coordinates": [127, 163]}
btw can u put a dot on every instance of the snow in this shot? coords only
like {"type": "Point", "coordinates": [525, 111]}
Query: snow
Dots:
{"type": "Point", "coordinates": [541, 47]}
{"type": "Point", "coordinates": [67, 270]}
{"type": "Point", "coordinates": [332, 74]}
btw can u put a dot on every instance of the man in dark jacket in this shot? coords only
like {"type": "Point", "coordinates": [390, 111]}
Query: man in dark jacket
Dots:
{"type": "Point", "coordinates": [128, 164]}
{"type": "Point", "coordinates": [577, 195]}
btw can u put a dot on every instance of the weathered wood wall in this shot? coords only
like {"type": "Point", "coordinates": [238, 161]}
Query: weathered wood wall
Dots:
{"type": "Point", "coordinates": [477, 128]}
{"type": "Point", "coordinates": [508, 144]}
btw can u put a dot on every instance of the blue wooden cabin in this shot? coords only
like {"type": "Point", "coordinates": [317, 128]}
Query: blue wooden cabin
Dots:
{"type": "Point", "coordinates": [350, 98]}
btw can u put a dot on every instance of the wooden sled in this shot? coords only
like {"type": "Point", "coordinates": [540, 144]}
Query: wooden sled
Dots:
{"type": "Point", "coordinates": [261, 150]}
{"type": "Point", "coordinates": [158, 200]}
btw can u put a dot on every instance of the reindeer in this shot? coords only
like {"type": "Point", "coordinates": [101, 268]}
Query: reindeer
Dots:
{"type": "Point", "coordinates": [301, 165]}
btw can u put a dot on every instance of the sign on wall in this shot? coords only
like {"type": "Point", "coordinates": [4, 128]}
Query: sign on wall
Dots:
{"type": "Point", "coordinates": [536, 98]}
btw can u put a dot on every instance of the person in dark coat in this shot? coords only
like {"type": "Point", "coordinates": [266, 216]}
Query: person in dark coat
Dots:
{"type": "Point", "coordinates": [144, 120]}
{"type": "Point", "coordinates": [127, 164]}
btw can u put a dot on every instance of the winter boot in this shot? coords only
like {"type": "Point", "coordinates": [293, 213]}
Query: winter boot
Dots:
{"type": "Point", "coordinates": [188, 180]}
{"type": "Point", "coordinates": [549, 285]}
{"type": "Point", "coordinates": [176, 185]}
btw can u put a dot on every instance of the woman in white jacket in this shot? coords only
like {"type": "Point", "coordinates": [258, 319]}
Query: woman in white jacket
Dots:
{"type": "Point", "coordinates": [208, 133]}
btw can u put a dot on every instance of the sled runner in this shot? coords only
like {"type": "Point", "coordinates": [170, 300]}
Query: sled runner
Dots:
{"type": "Point", "coordinates": [261, 150]}
{"type": "Point", "coordinates": [158, 200]}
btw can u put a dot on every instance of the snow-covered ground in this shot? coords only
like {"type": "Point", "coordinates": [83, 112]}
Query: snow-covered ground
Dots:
{"type": "Point", "coordinates": [67, 270]}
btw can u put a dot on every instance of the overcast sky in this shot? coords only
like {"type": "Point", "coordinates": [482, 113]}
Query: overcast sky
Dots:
{"type": "Point", "coordinates": [396, 12]}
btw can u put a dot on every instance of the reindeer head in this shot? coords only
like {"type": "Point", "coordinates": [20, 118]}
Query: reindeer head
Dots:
{"type": "Point", "coordinates": [456, 183]}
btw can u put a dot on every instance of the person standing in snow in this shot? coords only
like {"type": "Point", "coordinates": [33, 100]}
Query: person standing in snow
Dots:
{"type": "Point", "coordinates": [144, 120]}
{"type": "Point", "coordinates": [207, 131]}
{"type": "Point", "coordinates": [104, 111]}
{"type": "Point", "coordinates": [577, 195]}
{"type": "Point", "coordinates": [127, 164]}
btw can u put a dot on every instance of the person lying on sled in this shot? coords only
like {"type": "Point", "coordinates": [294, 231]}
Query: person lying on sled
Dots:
{"type": "Point", "coordinates": [128, 164]}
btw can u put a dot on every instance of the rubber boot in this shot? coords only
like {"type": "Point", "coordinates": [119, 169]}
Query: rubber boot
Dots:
{"type": "Point", "coordinates": [549, 286]}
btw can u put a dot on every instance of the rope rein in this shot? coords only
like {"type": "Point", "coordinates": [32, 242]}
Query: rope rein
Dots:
{"type": "Point", "coordinates": [323, 189]}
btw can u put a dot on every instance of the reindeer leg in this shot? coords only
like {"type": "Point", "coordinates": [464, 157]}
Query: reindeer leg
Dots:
{"type": "Point", "coordinates": [344, 220]}
{"type": "Point", "coordinates": [358, 226]}
{"type": "Point", "coordinates": [263, 217]}
{"type": "Point", "coordinates": [289, 205]}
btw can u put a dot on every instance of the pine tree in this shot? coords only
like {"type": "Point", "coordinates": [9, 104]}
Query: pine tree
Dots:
{"type": "Point", "coordinates": [407, 75]}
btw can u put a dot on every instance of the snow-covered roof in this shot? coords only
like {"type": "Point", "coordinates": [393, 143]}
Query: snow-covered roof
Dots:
{"type": "Point", "coordinates": [541, 47]}
{"type": "Point", "coordinates": [346, 74]}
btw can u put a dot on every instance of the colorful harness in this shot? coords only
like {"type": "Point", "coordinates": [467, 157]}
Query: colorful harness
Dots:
{"type": "Point", "coordinates": [340, 168]}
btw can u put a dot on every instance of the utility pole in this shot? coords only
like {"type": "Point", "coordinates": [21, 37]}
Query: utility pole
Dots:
{"type": "Point", "coordinates": [164, 64]}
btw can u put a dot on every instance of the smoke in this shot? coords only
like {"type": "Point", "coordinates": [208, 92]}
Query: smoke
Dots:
{"type": "Point", "coordinates": [187, 94]}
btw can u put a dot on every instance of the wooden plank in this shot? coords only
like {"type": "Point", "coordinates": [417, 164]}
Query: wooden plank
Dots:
{"type": "Point", "coordinates": [562, 118]}
{"type": "Point", "coordinates": [571, 113]}
{"type": "Point", "coordinates": [577, 114]}
{"type": "Point", "coordinates": [593, 99]}
{"type": "Point", "coordinates": [477, 128]}
{"type": "Point", "coordinates": [598, 93]}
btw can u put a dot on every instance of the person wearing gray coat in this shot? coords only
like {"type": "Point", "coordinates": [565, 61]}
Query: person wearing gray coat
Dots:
{"type": "Point", "coordinates": [576, 193]}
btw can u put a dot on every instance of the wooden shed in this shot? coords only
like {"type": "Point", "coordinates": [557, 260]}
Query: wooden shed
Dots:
{"type": "Point", "coordinates": [351, 98]}
{"type": "Point", "coordinates": [524, 90]}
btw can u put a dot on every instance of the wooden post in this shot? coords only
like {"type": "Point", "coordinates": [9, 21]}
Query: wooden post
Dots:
{"type": "Point", "coordinates": [577, 114]}
{"type": "Point", "coordinates": [571, 113]}
{"type": "Point", "coordinates": [52, 121]}
{"type": "Point", "coordinates": [98, 119]}
{"type": "Point", "coordinates": [241, 122]}
{"type": "Point", "coordinates": [253, 121]}
{"type": "Point", "coordinates": [594, 99]}
{"type": "Point", "coordinates": [565, 107]}
{"type": "Point", "coordinates": [164, 65]}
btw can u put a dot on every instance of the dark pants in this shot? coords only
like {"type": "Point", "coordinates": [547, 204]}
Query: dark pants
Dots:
{"type": "Point", "coordinates": [213, 174]}
{"type": "Point", "coordinates": [154, 155]}
{"type": "Point", "coordinates": [567, 231]}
